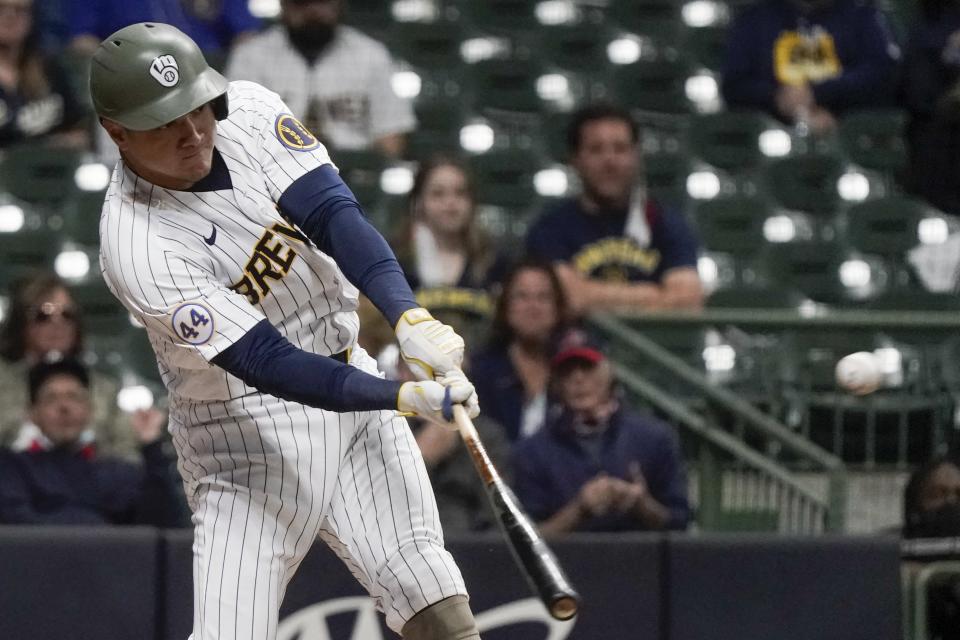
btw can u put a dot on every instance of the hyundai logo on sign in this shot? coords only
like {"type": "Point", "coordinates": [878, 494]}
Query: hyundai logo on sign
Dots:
{"type": "Point", "coordinates": [311, 623]}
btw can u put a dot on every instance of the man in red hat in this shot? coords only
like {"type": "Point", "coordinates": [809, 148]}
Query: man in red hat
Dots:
{"type": "Point", "coordinates": [597, 465]}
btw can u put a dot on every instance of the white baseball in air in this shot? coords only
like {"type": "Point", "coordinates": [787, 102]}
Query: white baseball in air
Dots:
{"type": "Point", "coordinates": [859, 373]}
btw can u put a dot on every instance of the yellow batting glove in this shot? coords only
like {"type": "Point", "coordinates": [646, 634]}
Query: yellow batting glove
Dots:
{"type": "Point", "coordinates": [430, 348]}
{"type": "Point", "coordinates": [431, 400]}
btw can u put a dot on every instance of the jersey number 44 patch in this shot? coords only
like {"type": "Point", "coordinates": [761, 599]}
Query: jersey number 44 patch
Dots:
{"type": "Point", "coordinates": [193, 323]}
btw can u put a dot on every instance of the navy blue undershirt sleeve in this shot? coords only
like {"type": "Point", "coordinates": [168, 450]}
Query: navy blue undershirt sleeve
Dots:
{"type": "Point", "coordinates": [325, 209]}
{"type": "Point", "coordinates": [265, 360]}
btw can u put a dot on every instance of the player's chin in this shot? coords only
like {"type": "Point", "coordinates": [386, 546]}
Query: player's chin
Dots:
{"type": "Point", "coordinates": [196, 166]}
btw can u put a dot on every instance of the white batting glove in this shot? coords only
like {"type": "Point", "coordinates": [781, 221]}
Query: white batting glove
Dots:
{"type": "Point", "coordinates": [431, 400]}
{"type": "Point", "coordinates": [429, 347]}
{"type": "Point", "coordinates": [456, 377]}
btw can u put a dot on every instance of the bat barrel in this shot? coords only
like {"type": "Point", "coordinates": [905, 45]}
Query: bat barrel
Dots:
{"type": "Point", "coordinates": [539, 565]}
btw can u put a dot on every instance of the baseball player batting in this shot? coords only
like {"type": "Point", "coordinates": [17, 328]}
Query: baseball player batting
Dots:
{"type": "Point", "coordinates": [229, 234]}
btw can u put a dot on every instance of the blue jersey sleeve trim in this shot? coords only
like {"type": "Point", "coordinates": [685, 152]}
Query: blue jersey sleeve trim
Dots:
{"type": "Point", "coordinates": [325, 209]}
{"type": "Point", "coordinates": [265, 360]}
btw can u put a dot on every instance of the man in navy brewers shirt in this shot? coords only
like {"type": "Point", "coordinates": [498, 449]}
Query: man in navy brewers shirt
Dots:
{"type": "Point", "coordinates": [613, 247]}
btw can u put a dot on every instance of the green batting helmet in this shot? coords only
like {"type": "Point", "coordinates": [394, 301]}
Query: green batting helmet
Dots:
{"type": "Point", "coordinates": [148, 74]}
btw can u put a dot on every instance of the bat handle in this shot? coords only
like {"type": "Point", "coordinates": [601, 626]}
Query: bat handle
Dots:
{"type": "Point", "coordinates": [464, 423]}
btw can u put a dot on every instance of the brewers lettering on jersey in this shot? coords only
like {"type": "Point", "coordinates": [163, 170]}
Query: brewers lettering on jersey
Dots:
{"type": "Point", "coordinates": [228, 233]}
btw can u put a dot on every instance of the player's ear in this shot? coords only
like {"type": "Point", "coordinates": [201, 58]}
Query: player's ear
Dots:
{"type": "Point", "coordinates": [116, 131]}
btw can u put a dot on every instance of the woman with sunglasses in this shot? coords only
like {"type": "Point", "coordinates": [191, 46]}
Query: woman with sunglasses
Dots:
{"type": "Point", "coordinates": [42, 323]}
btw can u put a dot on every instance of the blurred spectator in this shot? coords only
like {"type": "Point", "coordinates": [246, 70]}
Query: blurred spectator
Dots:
{"type": "Point", "coordinates": [461, 496]}
{"type": "Point", "coordinates": [37, 101]}
{"type": "Point", "coordinates": [43, 322]}
{"type": "Point", "coordinates": [931, 509]}
{"type": "Point", "coordinates": [597, 465]}
{"type": "Point", "coordinates": [615, 247]}
{"type": "Point", "coordinates": [214, 25]}
{"type": "Point", "coordinates": [931, 501]}
{"type": "Point", "coordinates": [448, 260]}
{"type": "Point", "coordinates": [809, 61]}
{"type": "Point", "coordinates": [931, 95]}
{"type": "Point", "coordinates": [332, 76]}
{"type": "Point", "coordinates": [511, 374]}
{"type": "Point", "coordinates": [62, 480]}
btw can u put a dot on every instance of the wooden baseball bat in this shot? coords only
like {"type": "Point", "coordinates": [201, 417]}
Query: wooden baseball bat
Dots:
{"type": "Point", "coordinates": [536, 561]}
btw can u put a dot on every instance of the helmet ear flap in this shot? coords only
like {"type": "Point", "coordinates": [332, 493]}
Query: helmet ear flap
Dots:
{"type": "Point", "coordinates": [220, 107]}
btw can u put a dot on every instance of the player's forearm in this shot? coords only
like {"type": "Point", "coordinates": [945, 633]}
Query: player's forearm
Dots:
{"type": "Point", "coordinates": [322, 206]}
{"type": "Point", "coordinates": [265, 360]}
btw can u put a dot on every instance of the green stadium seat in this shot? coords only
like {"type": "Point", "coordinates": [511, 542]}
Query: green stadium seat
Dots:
{"type": "Point", "coordinates": [732, 225]}
{"type": "Point", "coordinates": [139, 357]}
{"type": "Point", "coordinates": [502, 17]}
{"type": "Point", "coordinates": [666, 175]}
{"type": "Point", "coordinates": [579, 53]}
{"type": "Point", "coordinates": [81, 217]}
{"type": "Point", "coordinates": [887, 228]}
{"type": "Point", "coordinates": [707, 46]}
{"type": "Point", "coordinates": [806, 182]}
{"type": "Point", "coordinates": [810, 266]}
{"type": "Point", "coordinates": [433, 45]}
{"type": "Point", "coordinates": [371, 16]}
{"type": "Point", "coordinates": [731, 232]}
{"type": "Point", "coordinates": [576, 47]}
{"type": "Point", "coordinates": [657, 18]}
{"type": "Point", "coordinates": [24, 252]}
{"type": "Point", "coordinates": [102, 313]}
{"type": "Point", "coordinates": [505, 178]}
{"type": "Point", "coordinates": [654, 85]}
{"type": "Point", "coordinates": [39, 175]}
{"type": "Point", "coordinates": [554, 138]}
{"type": "Point", "coordinates": [874, 139]}
{"type": "Point", "coordinates": [506, 86]}
{"type": "Point", "coordinates": [730, 140]}
{"type": "Point", "coordinates": [438, 128]}
{"type": "Point", "coordinates": [361, 171]}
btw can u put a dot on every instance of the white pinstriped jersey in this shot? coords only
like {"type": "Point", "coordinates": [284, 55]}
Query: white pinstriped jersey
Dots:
{"type": "Point", "coordinates": [199, 269]}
